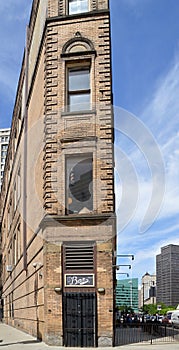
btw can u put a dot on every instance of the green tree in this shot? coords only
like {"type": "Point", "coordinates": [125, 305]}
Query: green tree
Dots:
{"type": "Point", "coordinates": [151, 309]}
{"type": "Point", "coordinates": [125, 309]}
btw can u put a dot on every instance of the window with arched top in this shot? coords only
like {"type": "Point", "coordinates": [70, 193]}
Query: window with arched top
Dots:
{"type": "Point", "coordinates": [78, 54]}
{"type": "Point", "coordinates": [78, 44]}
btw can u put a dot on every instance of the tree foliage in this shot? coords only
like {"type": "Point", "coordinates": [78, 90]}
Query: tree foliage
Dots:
{"type": "Point", "coordinates": [152, 309]}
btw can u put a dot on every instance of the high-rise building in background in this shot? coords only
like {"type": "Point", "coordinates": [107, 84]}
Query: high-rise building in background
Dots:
{"type": "Point", "coordinates": [148, 290]}
{"type": "Point", "coordinates": [167, 275]}
{"type": "Point", "coordinates": [4, 140]}
{"type": "Point", "coordinates": [127, 294]}
{"type": "Point", "coordinates": [58, 221]}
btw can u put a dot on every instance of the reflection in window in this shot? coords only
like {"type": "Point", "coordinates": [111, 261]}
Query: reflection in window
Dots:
{"type": "Point", "coordinates": [79, 89]}
{"type": "Point", "coordinates": [78, 6]}
{"type": "Point", "coordinates": [79, 184]}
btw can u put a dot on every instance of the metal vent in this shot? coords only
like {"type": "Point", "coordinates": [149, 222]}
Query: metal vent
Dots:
{"type": "Point", "coordinates": [79, 257]}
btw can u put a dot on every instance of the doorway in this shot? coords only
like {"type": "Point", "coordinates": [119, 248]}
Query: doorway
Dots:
{"type": "Point", "coordinates": [80, 319]}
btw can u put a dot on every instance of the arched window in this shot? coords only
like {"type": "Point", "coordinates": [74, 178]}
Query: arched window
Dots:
{"type": "Point", "coordinates": [78, 44]}
{"type": "Point", "coordinates": [78, 54]}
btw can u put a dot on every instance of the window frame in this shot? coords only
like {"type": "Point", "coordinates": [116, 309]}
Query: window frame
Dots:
{"type": "Point", "coordinates": [78, 92]}
{"type": "Point", "coordinates": [79, 59]}
{"type": "Point", "coordinates": [78, 157]}
{"type": "Point", "coordinates": [78, 12]}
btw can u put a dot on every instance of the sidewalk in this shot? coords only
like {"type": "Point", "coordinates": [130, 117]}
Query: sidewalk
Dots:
{"type": "Point", "coordinates": [11, 338]}
{"type": "Point", "coordinates": [142, 346]}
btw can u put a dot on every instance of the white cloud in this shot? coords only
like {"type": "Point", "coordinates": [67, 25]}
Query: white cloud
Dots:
{"type": "Point", "coordinates": [143, 172]}
{"type": "Point", "coordinates": [145, 248]}
{"type": "Point", "coordinates": [164, 109]}
{"type": "Point", "coordinates": [162, 112]}
{"type": "Point", "coordinates": [161, 116]}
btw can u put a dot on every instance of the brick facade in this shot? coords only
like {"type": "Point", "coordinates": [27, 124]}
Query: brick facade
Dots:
{"type": "Point", "coordinates": [44, 134]}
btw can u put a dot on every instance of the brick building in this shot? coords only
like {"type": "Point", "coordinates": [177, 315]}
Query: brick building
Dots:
{"type": "Point", "coordinates": [57, 201]}
{"type": "Point", "coordinates": [4, 140]}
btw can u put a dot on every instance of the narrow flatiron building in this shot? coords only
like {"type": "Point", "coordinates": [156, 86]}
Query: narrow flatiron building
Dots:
{"type": "Point", "coordinates": [58, 223]}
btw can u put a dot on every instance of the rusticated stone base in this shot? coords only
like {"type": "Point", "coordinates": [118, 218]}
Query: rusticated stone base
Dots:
{"type": "Point", "coordinates": [104, 342]}
{"type": "Point", "coordinates": [53, 339]}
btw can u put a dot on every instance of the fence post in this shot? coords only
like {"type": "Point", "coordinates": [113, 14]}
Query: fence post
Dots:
{"type": "Point", "coordinates": [173, 333]}
{"type": "Point", "coordinates": [151, 333]}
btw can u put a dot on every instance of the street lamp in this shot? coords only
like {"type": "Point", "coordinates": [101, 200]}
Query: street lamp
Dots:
{"type": "Point", "coordinates": [125, 256]}
{"type": "Point", "coordinates": [118, 266]}
{"type": "Point", "coordinates": [122, 273]}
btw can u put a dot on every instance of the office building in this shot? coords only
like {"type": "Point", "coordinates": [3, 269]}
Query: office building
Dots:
{"type": "Point", "coordinates": [167, 275]}
{"type": "Point", "coordinates": [148, 290]}
{"type": "Point", "coordinates": [127, 294]}
{"type": "Point", "coordinates": [58, 222]}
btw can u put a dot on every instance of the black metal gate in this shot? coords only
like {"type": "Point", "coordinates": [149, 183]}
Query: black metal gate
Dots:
{"type": "Point", "coordinates": [153, 333]}
{"type": "Point", "coordinates": [79, 319]}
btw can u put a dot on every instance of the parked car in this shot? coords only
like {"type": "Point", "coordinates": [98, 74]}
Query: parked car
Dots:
{"type": "Point", "coordinates": [165, 320]}
{"type": "Point", "coordinates": [169, 315]}
{"type": "Point", "coordinates": [175, 318]}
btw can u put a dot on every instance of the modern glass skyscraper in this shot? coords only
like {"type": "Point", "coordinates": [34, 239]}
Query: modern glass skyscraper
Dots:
{"type": "Point", "coordinates": [127, 293]}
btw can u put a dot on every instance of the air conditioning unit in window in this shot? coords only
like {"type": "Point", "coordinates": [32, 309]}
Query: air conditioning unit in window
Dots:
{"type": "Point", "coordinates": [9, 268]}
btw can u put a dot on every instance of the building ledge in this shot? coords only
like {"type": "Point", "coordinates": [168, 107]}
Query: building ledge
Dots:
{"type": "Point", "coordinates": [76, 220]}
{"type": "Point", "coordinates": [78, 15]}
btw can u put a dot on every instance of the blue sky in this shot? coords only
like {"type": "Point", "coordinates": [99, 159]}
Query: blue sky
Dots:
{"type": "Point", "coordinates": [145, 46]}
{"type": "Point", "coordinates": [145, 56]}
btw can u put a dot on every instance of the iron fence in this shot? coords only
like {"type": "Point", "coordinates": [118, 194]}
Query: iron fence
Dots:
{"type": "Point", "coordinates": [145, 332]}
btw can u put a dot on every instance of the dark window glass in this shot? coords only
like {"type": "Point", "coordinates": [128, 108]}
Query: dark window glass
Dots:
{"type": "Point", "coordinates": [79, 184]}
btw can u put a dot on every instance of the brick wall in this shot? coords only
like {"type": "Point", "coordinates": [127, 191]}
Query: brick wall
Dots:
{"type": "Point", "coordinates": [59, 126]}
{"type": "Point", "coordinates": [31, 301]}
